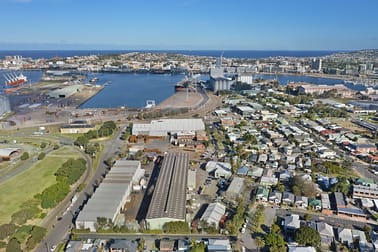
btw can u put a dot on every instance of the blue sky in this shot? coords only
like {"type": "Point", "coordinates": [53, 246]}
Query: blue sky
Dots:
{"type": "Point", "coordinates": [189, 24]}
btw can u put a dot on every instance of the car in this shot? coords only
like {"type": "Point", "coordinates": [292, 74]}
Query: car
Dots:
{"type": "Point", "coordinates": [53, 247]}
{"type": "Point", "coordinates": [242, 230]}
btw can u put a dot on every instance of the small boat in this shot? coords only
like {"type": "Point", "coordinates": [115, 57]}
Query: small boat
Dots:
{"type": "Point", "coordinates": [93, 80]}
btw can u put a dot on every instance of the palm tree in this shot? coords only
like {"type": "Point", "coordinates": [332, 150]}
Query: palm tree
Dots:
{"type": "Point", "coordinates": [260, 243]}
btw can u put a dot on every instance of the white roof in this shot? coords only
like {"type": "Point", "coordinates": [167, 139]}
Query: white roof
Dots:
{"type": "Point", "coordinates": [163, 126]}
{"type": "Point", "coordinates": [236, 185]}
{"type": "Point", "coordinates": [214, 213]}
{"type": "Point", "coordinates": [111, 193]}
{"type": "Point", "coordinates": [6, 152]}
{"type": "Point", "coordinates": [302, 249]}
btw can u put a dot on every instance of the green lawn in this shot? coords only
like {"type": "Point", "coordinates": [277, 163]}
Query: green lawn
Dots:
{"type": "Point", "coordinates": [34, 180]}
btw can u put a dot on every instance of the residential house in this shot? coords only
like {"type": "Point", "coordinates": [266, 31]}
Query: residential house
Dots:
{"type": "Point", "coordinates": [292, 223]}
{"type": "Point", "coordinates": [235, 188]}
{"type": "Point", "coordinates": [344, 236]}
{"type": "Point", "coordinates": [242, 171]}
{"type": "Point", "coordinates": [286, 175]}
{"type": "Point", "coordinates": [275, 197]}
{"type": "Point", "coordinates": [359, 235]}
{"type": "Point", "coordinates": [217, 245]}
{"type": "Point", "coordinates": [301, 202]}
{"type": "Point", "coordinates": [268, 181]}
{"type": "Point", "coordinates": [118, 245]}
{"type": "Point", "coordinates": [220, 169]}
{"type": "Point", "coordinates": [262, 193]}
{"type": "Point", "coordinates": [288, 198]}
{"type": "Point", "coordinates": [166, 245]}
{"type": "Point", "coordinates": [326, 233]}
{"type": "Point", "coordinates": [255, 172]}
{"type": "Point", "coordinates": [301, 249]}
{"type": "Point", "coordinates": [182, 245]}
{"type": "Point", "coordinates": [315, 204]}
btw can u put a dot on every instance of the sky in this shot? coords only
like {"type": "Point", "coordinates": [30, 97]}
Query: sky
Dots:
{"type": "Point", "coordinates": [188, 24]}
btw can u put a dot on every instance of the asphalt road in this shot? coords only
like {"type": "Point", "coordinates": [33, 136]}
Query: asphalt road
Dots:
{"type": "Point", "coordinates": [60, 229]}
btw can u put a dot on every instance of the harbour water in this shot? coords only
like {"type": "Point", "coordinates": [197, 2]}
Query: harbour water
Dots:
{"type": "Point", "coordinates": [133, 90]}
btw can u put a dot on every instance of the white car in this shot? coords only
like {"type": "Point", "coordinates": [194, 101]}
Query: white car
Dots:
{"type": "Point", "coordinates": [53, 247]}
{"type": "Point", "coordinates": [243, 230]}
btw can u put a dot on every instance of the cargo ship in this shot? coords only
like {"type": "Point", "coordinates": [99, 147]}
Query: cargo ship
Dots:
{"type": "Point", "coordinates": [13, 82]}
{"type": "Point", "coordinates": [12, 79]}
{"type": "Point", "coordinates": [183, 84]}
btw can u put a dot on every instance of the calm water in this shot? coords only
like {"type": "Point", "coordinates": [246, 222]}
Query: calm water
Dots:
{"type": "Point", "coordinates": [132, 90]}
{"type": "Point", "coordinates": [256, 54]}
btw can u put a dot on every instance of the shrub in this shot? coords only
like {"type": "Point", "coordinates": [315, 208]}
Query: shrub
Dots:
{"type": "Point", "coordinates": [24, 156]}
{"type": "Point", "coordinates": [41, 156]}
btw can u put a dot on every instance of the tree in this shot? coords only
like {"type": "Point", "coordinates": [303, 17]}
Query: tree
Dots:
{"type": "Point", "coordinates": [41, 156]}
{"type": "Point", "coordinates": [274, 240]}
{"type": "Point", "coordinates": [307, 217]}
{"type": "Point", "coordinates": [176, 227]}
{"type": "Point", "coordinates": [275, 228]}
{"type": "Point", "coordinates": [260, 243]}
{"type": "Point", "coordinates": [14, 246]}
{"type": "Point", "coordinates": [24, 156]}
{"type": "Point", "coordinates": [81, 141]}
{"type": "Point", "coordinates": [43, 145]}
{"type": "Point", "coordinates": [341, 186]}
{"type": "Point", "coordinates": [7, 230]}
{"type": "Point", "coordinates": [307, 236]}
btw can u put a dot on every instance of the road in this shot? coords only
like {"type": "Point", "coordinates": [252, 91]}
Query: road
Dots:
{"type": "Point", "coordinates": [60, 229]}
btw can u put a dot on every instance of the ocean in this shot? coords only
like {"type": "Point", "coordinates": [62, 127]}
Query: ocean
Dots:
{"type": "Point", "coordinates": [255, 54]}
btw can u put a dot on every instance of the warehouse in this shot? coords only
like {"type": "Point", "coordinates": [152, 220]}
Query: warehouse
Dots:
{"type": "Point", "coordinates": [169, 198]}
{"type": "Point", "coordinates": [112, 194]}
{"type": "Point", "coordinates": [214, 213]}
{"type": "Point", "coordinates": [66, 91]}
{"type": "Point", "coordinates": [163, 127]}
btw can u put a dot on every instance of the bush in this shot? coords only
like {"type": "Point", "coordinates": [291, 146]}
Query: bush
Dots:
{"type": "Point", "coordinates": [41, 156]}
{"type": "Point", "coordinates": [7, 230]}
{"type": "Point", "coordinates": [54, 194]}
{"type": "Point", "coordinates": [56, 147]}
{"type": "Point", "coordinates": [71, 170]}
{"type": "Point", "coordinates": [13, 246]}
{"type": "Point", "coordinates": [43, 145]}
{"type": "Point", "coordinates": [22, 216]}
{"type": "Point", "coordinates": [24, 156]}
{"type": "Point", "coordinates": [176, 227]}
{"type": "Point", "coordinates": [36, 237]}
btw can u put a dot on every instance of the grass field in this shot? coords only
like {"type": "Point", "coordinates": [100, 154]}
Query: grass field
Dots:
{"type": "Point", "coordinates": [34, 180]}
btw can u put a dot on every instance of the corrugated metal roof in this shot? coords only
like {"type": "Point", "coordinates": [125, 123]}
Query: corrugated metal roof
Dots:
{"type": "Point", "coordinates": [169, 197]}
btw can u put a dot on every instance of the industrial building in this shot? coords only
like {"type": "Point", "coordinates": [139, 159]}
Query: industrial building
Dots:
{"type": "Point", "coordinates": [4, 105]}
{"type": "Point", "coordinates": [112, 194]}
{"type": "Point", "coordinates": [220, 83]}
{"type": "Point", "coordinates": [214, 213]}
{"type": "Point", "coordinates": [66, 91]}
{"type": "Point", "coordinates": [76, 127]}
{"type": "Point", "coordinates": [169, 198]}
{"type": "Point", "coordinates": [163, 127]}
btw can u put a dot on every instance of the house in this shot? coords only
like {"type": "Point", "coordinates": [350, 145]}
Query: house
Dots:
{"type": "Point", "coordinates": [242, 171]}
{"type": "Point", "coordinates": [361, 238]}
{"type": "Point", "coordinates": [166, 245]}
{"type": "Point", "coordinates": [338, 200]}
{"type": "Point", "coordinates": [123, 246]}
{"type": "Point", "coordinates": [214, 213]}
{"type": "Point", "coordinates": [326, 233]}
{"type": "Point", "coordinates": [219, 245]}
{"type": "Point", "coordinates": [256, 172]}
{"type": "Point", "coordinates": [301, 249]}
{"type": "Point", "coordinates": [182, 245]}
{"type": "Point", "coordinates": [262, 193]}
{"type": "Point", "coordinates": [275, 197]}
{"type": "Point", "coordinates": [235, 188]}
{"type": "Point", "coordinates": [344, 236]}
{"type": "Point", "coordinates": [292, 223]}
{"type": "Point", "coordinates": [301, 202]}
{"type": "Point", "coordinates": [268, 181]}
{"type": "Point", "coordinates": [288, 198]}
{"type": "Point", "coordinates": [315, 204]}
{"type": "Point", "coordinates": [286, 175]}
{"type": "Point", "coordinates": [220, 169]}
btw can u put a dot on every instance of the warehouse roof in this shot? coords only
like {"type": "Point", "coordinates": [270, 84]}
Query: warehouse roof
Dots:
{"type": "Point", "coordinates": [6, 152]}
{"type": "Point", "coordinates": [169, 197]}
{"type": "Point", "coordinates": [168, 125]}
{"type": "Point", "coordinates": [214, 213]}
{"type": "Point", "coordinates": [66, 91]}
{"type": "Point", "coordinates": [111, 193]}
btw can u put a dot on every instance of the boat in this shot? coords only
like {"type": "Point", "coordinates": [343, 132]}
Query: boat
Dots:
{"type": "Point", "coordinates": [11, 79]}
{"type": "Point", "coordinates": [13, 82]}
{"type": "Point", "coordinates": [93, 80]}
{"type": "Point", "coordinates": [12, 89]}
{"type": "Point", "coordinates": [183, 84]}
